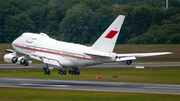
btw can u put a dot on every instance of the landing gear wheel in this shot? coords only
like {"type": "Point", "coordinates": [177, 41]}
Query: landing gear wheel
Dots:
{"type": "Point", "coordinates": [69, 71]}
{"type": "Point", "coordinates": [78, 73]}
{"type": "Point", "coordinates": [45, 72]}
{"type": "Point", "coordinates": [59, 71]}
{"type": "Point", "coordinates": [128, 62]}
{"type": "Point", "coordinates": [72, 72]}
{"type": "Point", "coordinates": [48, 72]}
{"type": "Point", "coordinates": [64, 72]}
{"type": "Point", "coordinates": [44, 68]}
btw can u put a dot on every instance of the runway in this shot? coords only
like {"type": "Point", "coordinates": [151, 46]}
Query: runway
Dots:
{"type": "Point", "coordinates": [158, 64]}
{"type": "Point", "coordinates": [91, 85]}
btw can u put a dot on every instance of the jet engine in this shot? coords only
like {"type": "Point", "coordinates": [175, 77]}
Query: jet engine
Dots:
{"type": "Point", "coordinates": [10, 58]}
{"type": "Point", "coordinates": [23, 61]}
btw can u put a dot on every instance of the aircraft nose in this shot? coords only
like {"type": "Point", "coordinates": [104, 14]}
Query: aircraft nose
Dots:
{"type": "Point", "coordinates": [15, 41]}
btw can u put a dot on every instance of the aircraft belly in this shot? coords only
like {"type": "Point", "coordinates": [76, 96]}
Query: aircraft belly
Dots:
{"type": "Point", "coordinates": [68, 61]}
{"type": "Point", "coordinates": [52, 62]}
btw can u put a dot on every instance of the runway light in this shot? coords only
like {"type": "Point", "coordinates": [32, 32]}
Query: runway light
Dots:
{"type": "Point", "coordinates": [139, 67]}
{"type": "Point", "coordinates": [98, 77]}
{"type": "Point", "coordinates": [115, 76]}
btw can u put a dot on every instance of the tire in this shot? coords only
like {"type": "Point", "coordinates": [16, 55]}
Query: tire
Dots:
{"type": "Point", "coordinates": [64, 72]}
{"type": "Point", "coordinates": [48, 72]}
{"type": "Point", "coordinates": [128, 62]}
{"type": "Point", "coordinates": [59, 71]}
{"type": "Point", "coordinates": [78, 73]}
{"type": "Point", "coordinates": [45, 72]}
{"type": "Point", "coordinates": [75, 73]}
{"type": "Point", "coordinates": [69, 71]}
{"type": "Point", "coordinates": [72, 72]}
{"type": "Point", "coordinates": [44, 68]}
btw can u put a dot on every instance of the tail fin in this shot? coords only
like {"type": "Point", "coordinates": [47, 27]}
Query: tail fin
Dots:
{"type": "Point", "coordinates": [107, 40]}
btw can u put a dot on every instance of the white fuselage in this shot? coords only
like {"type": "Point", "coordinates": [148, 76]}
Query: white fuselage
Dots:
{"type": "Point", "coordinates": [67, 54]}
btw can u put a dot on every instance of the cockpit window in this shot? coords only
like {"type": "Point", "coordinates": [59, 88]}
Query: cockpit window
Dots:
{"type": "Point", "coordinates": [34, 38]}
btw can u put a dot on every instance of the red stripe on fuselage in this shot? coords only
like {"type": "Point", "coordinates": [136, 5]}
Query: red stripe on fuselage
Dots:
{"type": "Point", "coordinates": [111, 34]}
{"type": "Point", "coordinates": [53, 52]}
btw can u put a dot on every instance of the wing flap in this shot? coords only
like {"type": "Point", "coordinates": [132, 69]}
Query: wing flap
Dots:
{"type": "Point", "coordinates": [45, 59]}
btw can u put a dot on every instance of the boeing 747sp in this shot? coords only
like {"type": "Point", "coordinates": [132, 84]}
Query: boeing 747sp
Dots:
{"type": "Point", "coordinates": [69, 55]}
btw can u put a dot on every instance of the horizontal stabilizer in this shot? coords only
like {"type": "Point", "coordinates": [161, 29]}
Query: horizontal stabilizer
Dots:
{"type": "Point", "coordinates": [98, 55]}
{"type": "Point", "coordinates": [124, 57]}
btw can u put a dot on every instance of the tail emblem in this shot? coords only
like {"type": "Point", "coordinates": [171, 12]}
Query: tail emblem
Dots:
{"type": "Point", "coordinates": [111, 34]}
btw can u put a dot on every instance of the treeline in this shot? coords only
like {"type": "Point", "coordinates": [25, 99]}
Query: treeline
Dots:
{"type": "Point", "coordinates": [153, 3]}
{"type": "Point", "coordinates": [83, 21]}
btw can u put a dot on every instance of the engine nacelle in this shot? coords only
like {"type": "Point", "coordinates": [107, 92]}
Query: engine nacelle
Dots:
{"type": "Point", "coordinates": [10, 58]}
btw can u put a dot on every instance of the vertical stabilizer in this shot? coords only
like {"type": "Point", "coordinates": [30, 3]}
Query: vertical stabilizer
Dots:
{"type": "Point", "coordinates": [107, 40]}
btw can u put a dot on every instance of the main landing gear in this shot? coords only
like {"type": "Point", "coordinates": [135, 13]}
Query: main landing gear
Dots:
{"type": "Point", "coordinates": [74, 71]}
{"type": "Point", "coordinates": [46, 70]}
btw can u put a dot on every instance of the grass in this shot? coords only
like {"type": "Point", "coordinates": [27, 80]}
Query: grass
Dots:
{"type": "Point", "coordinates": [148, 75]}
{"type": "Point", "coordinates": [23, 94]}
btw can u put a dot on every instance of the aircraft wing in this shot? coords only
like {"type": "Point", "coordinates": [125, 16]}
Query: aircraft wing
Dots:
{"type": "Point", "coordinates": [46, 59]}
{"type": "Point", "coordinates": [134, 56]}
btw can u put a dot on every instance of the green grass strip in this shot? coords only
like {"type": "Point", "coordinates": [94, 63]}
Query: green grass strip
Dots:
{"type": "Point", "coordinates": [169, 75]}
{"type": "Point", "coordinates": [23, 94]}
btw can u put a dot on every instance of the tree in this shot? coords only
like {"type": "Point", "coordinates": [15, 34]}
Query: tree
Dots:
{"type": "Point", "coordinates": [34, 15]}
{"type": "Point", "coordinates": [15, 26]}
{"type": "Point", "coordinates": [175, 38]}
{"type": "Point", "coordinates": [43, 23]}
{"type": "Point", "coordinates": [141, 21]}
{"type": "Point", "coordinates": [76, 26]}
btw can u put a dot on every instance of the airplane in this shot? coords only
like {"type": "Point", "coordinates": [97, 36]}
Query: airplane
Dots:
{"type": "Point", "coordinates": [69, 55]}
